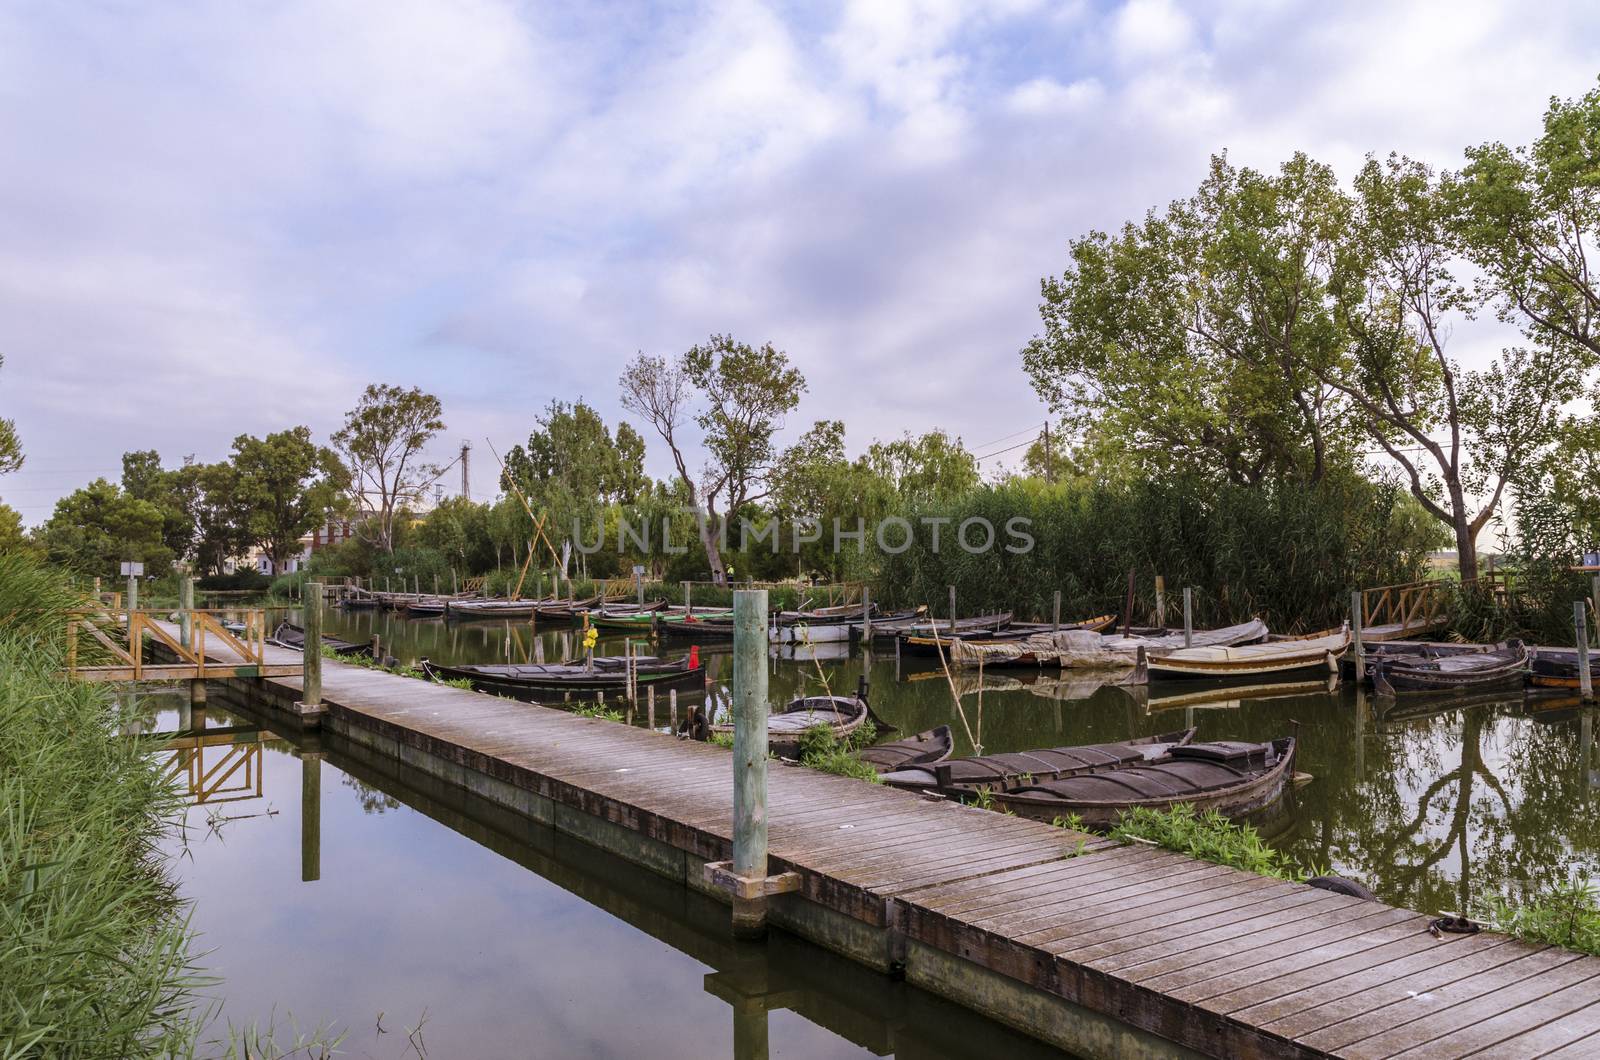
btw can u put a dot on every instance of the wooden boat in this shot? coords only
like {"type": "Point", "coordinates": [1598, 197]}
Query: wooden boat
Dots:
{"type": "Point", "coordinates": [842, 715]}
{"type": "Point", "coordinates": [1231, 777]}
{"type": "Point", "coordinates": [1085, 649]}
{"type": "Point", "coordinates": [1310, 655]}
{"type": "Point", "coordinates": [427, 607]}
{"type": "Point", "coordinates": [288, 635]}
{"type": "Point", "coordinates": [705, 624]}
{"type": "Point", "coordinates": [1016, 646]}
{"type": "Point", "coordinates": [627, 617]}
{"type": "Point", "coordinates": [1506, 664]}
{"type": "Point", "coordinates": [818, 624]}
{"type": "Point", "coordinates": [494, 608]}
{"type": "Point", "coordinates": [923, 749]}
{"type": "Point", "coordinates": [1371, 650]}
{"type": "Point", "coordinates": [962, 777]}
{"type": "Point", "coordinates": [928, 637]}
{"type": "Point", "coordinates": [1558, 668]}
{"type": "Point", "coordinates": [543, 681]}
{"type": "Point", "coordinates": [565, 610]}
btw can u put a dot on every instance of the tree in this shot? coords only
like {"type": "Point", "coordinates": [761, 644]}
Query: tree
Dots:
{"type": "Point", "coordinates": [10, 444]}
{"type": "Point", "coordinates": [175, 493]}
{"type": "Point", "coordinates": [97, 527]}
{"type": "Point", "coordinates": [934, 467]}
{"type": "Point", "coordinates": [12, 536]}
{"type": "Point", "coordinates": [458, 529]}
{"type": "Point", "coordinates": [382, 441]}
{"type": "Point", "coordinates": [1404, 387]}
{"type": "Point", "coordinates": [745, 392]}
{"type": "Point", "coordinates": [1529, 218]}
{"type": "Point", "coordinates": [222, 527]}
{"type": "Point", "coordinates": [288, 485]}
{"type": "Point", "coordinates": [1192, 338]}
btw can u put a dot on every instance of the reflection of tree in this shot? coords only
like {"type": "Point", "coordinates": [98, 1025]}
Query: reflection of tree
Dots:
{"type": "Point", "coordinates": [372, 800]}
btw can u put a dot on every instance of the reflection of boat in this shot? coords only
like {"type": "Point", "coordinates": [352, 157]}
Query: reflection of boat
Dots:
{"type": "Point", "coordinates": [826, 651]}
{"type": "Point", "coordinates": [1231, 777]}
{"type": "Point", "coordinates": [1390, 711]}
{"type": "Point", "coordinates": [963, 777]}
{"type": "Point", "coordinates": [565, 609]}
{"type": "Point", "coordinates": [1046, 684]}
{"type": "Point", "coordinates": [842, 715]}
{"type": "Point", "coordinates": [534, 680]}
{"type": "Point", "coordinates": [1310, 654]}
{"type": "Point", "coordinates": [289, 635]}
{"type": "Point", "coordinates": [925, 748]}
{"type": "Point", "coordinates": [1402, 674]}
{"type": "Point", "coordinates": [1231, 696]}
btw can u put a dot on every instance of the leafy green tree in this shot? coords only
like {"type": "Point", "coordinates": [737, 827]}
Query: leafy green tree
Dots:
{"type": "Point", "coordinates": [222, 527]}
{"type": "Point", "coordinates": [95, 528]}
{"type": "Point", "coordinates": [1529, 219]}
{"type": "Point", "coordinates": [933, 467]}
{"type": "Point", "coordinates": [743, 393]}
{"type": "Point", "coordinates": [10, 443]}
{"type": "Point", "coordinates": [288, 485]}
{"type": "Point", "coordinates": [458, 529]}
{"type": "Point", "coordinates": [175, 492]}
{"type": "Point", "coordinates": [382, 442]}
{"type": "Point", "coordinates": [12, 537]}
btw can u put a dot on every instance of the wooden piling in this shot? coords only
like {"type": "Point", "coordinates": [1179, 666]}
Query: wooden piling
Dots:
{"type": "Point", "coordinates": [650, 705]}
{"type": "Point", "coordinates": [750, 755]}
{"type": "Point", "coordinates": [310, 814]}
{"type": "Point", "coordinates": [377, 649]}
{"type": "Point", "coordinates": [672, 708]}
{"type": "Point", "coordinates": [1580, 624]}
{"type": "Point", "coordinates": [186, 611]}
{"type": "Point", "coordinates": [1188, 618]}
{"type": "Point", "coordinates": [311, 686]}
{"type": "Point", "coordinates": [688, 604]}
{"type": "Point", "coordinates": [1055, 613]}
{"type": "Point", "coordinates": [1161, 601]}
{"type": "Point", "coordinates": [1355, 635]}
{"type": "Point", "coordinates": [133, 594]}
{"type": "Point", "coordinates": [866, 614]}
{"type": "Point", "coordinates": [952, 608]}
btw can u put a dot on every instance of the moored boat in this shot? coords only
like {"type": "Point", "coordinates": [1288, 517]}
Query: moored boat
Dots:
{"type": "Point", "coordinates": [1231, 777]}
{"type": "Point", "coordinates": [841, 715]}
{"type": "Point", "coordinates": [923, 749]}
{"type": "Point", "coordinates": [289, 635]}
{"type": "Point", "coordinates": [493, 608]}
{"type": "Point", "coordinates": [544, 680]}
{"type": "Point", "coordinates": [1315, 654]}
{"type": "Point", "coordinates": [964, 777]}
{"type": "Point", "coordinates": [1558, 668]}
{"type": "Point", "coordinates": [1505, 664]}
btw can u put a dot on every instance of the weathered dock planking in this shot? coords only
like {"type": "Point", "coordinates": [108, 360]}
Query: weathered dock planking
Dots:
{"type": "Point", "coordinates": [1099, 948]}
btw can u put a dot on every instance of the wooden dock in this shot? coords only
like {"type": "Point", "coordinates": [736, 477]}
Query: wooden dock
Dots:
{"type": "Point", "coordinates": [1103, 949]}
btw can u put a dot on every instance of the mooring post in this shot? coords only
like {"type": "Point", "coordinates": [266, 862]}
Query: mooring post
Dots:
{"type": "Point", "coordinates": [133, 594]}
{"type": "Point", "coordinates": [750, 756]}
{"type": "Point", "coordinates": [310, 816]}
{"type": "Point", "coordinates": [185, 612]}
{"type": "Point", "coordinates": [311, 682]}
{"type": "Point", "coordinates": [1055, 614]}
{"type": "Point", "coordinates": [672, 708]}
{"type": "Point", "coordinates": [952, 608]}
{"type": "Point", "coordinates": [1580, 625]}
{"type": "Point", "coordinates": [650, 705]}
{"type": "Point", "coordinates": [1355, 635]}
{"type": "Point", "coordinates": [436, 583]}
{"type": "Point", "coordinates": [1594, 605]}
{"type": "Point", "coordinates": [1161, 602]}
{"type": "Point", "coordinates": [639, 578]}
{"type": "Point", "coordinates": [688, 604]}
{"type": "Point", "coordinates": [377, 648]}
{"type": "Point", "coordinates": [1188, 618]}
{"type": "Point", "coordinates": [455, 585]}
{"type": "Point", "coordinates": [866, 614]}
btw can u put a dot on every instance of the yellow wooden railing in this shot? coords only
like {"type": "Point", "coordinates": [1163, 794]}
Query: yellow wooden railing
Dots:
{"type": "Point", "coordinates": [120, 636]}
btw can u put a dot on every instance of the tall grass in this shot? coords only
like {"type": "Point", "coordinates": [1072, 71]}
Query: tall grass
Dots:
{"type": "Point", "coordinates": [1289, 554]}
{"type": "Point", "coordinates": [93, 941]}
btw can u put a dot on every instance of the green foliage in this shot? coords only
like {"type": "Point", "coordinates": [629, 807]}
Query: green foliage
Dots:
{"type": "Point", "coordinates": [1208, 836]}
{"type": "Point", "coordinates": [176, 493]}
{"type": "Point", "coordinates": [12, 537]}
{"type": "Point", "coordinates": [458, 530]}
{"type": "Point", "coordinates": [1287, 552]}
{"type": "Point", "coordinates": [597, 710]}
{"type": "Point", "coordinates": [288, 485]}
{"type": "Point", "coordinates": [1568, 916]}
{"type": "Point", "coordinates": [247, 579]}
{"type": "Point", "coordinates": [381, 442]}
{"type": "Point", "coordinates": [95, 951]}
{"type": "Point", "coordinates": [98, 526]}
{"type": "Point", "coordinates": [821, 749]}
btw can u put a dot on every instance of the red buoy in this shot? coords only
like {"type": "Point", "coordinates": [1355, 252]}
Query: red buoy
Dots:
{"type": "Point", "coordinates": [694, 656]}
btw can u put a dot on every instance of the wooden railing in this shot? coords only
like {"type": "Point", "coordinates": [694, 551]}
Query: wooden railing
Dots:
{"type": "Point", "coordinates": [1415, 605]}
{"type": "Point", "coordinates": [120, 636]}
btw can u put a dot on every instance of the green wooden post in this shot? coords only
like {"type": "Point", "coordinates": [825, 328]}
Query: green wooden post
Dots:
{"type": "Point", "coordinates": [311, 682]}
{"type": "Point", "coordinates": [1580, 627]}
{"type": "Point", "coordinates": [750, 754]}
{"type": "Point", "coordinates": [185, 606]}
{"type": "Point", "coordinates": [866, 614]}
{"type": "Point", "coordinates": [1355, 636]}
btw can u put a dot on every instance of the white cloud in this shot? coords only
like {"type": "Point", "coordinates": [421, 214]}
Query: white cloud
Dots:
{"type": "Point", "coordinates": [1150, 29]}
{"type": "Point", "coordinates": [1046, 95]}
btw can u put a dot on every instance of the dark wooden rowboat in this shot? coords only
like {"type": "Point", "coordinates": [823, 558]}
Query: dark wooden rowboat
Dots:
{"type": "Point", "coordinates": [930, 637]}
{"type": "Point", "coordinates": [537, 681]}
{"type": "Point", "coordinates": [842, 715]}
{"type": "Point", "coordinates": [1507, 664]}
{"type": "Point", "coordinates": [288, 635]}
{"type": "Point", "coordinates": [923, 749]}
{"type": "Point", "coordinates": [493, 608]}
{"type": "Point", "coordinates": [1230, 777]}
{"type": "Point", "coordinates": [963, 777]}
{"type": "Point", "coordinates": [567, 610]}
{"type": "Point", "coordinates": [1558, 667]}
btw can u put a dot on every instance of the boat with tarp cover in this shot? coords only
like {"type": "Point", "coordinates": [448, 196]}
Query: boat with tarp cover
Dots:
{"type": "Point", "coordinates": [963, 777]}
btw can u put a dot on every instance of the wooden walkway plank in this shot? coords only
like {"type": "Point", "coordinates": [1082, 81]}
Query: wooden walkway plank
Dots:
{"type": "Point", "coordinates": [1508, 1022]}
{"type": "Point", "coordinates": [1551, 1038]}
{"type": "Point", "coordinates": [1265, 913]}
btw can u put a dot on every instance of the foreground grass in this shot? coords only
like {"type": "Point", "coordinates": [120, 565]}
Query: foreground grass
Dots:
{"type": "Point", "coordinates": [94, 957]}
{"type": "Point", "coordinates": [1569, 916]}
{"type": "Point", "coordinates": [1208, 836]}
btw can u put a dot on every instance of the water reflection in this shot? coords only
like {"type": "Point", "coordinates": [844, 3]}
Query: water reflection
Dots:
{"type": "Point", "coordinates": [397, 901]}
{"type": "Point", "coordinates": [1432, 803]}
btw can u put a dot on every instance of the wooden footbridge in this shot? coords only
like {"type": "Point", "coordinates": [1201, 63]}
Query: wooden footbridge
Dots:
{"type": "Point", "coordinates": [1096, 947]}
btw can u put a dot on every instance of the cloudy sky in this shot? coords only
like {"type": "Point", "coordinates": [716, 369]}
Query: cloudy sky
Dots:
{"type": "Point", "coordinates": [225, 218]}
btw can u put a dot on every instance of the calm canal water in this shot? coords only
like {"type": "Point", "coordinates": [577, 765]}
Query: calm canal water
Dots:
{"type": "Point", "coordinates": [395, 896]}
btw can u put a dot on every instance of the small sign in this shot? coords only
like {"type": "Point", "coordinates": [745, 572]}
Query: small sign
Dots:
{"type": "Point", "coordinates": [638, 569]}
{"type": "Point", "coordinates": [133, 570]}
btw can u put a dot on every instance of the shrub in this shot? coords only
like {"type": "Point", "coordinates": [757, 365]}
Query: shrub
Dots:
{"type": "Point", "coordinates": [1208, 836]}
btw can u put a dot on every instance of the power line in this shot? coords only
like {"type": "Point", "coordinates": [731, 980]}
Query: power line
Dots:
{"type": "Point", "coordinates": [1013, 434]}
{"type": "Point", "coordinates": [1001, 452]}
